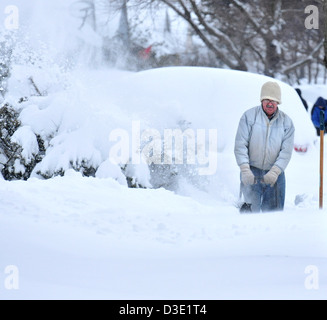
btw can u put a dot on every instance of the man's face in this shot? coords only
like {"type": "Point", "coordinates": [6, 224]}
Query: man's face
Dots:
{"type": "Point", "coordinates": [269, 106]}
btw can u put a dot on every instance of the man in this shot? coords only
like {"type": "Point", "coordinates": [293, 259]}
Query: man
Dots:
{"type": "Point", "coordinates": [263, 147]}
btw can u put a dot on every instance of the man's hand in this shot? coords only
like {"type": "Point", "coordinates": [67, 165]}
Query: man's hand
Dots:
{"type": "Point", "coordinates": [271, 176]}
{"type": "Point", "coordinates": [247, 177]}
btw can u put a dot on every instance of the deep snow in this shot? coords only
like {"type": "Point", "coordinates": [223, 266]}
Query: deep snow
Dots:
{"type": "Point", "coordinates": [74, 237]}
{"type": "Point", "coordinates": [84, 238]}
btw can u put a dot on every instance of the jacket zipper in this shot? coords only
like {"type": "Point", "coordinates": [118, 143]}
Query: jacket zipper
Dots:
{"type": "Point", "coordinates": [266, 142]}
{"type": "Point", "coordinates": [269, 124]}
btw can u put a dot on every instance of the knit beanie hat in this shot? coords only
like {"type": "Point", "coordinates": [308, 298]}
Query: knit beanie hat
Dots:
{"type": "Point", "coordinates": [271, 90]}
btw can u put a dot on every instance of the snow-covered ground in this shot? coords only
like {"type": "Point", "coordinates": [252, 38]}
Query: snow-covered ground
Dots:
{"type": "Point", "coordinates": [75, 237]}
{"type": "Point", "coordinates": [84, 238]}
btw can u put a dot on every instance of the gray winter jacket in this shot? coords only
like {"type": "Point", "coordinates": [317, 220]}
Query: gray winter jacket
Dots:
{"type": "Point", "coordinates": [263, 143]}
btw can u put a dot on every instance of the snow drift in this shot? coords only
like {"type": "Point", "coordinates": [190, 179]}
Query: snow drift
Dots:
{"type": "Point", "coordinates": [77, 120]}
{"type": "Point", "coordinates": [77, 237]}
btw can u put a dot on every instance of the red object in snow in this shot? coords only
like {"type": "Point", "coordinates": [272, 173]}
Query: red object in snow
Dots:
{"type": "Point", "coordinates": [300, 148]}
{"type": "Point", "coordinates": [145, 53]}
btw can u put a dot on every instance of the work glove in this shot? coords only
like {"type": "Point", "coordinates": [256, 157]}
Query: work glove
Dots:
{"type": "Point", "coordinates": [247, 177]}
{"type": "Point", "coordinates": [271, 176]}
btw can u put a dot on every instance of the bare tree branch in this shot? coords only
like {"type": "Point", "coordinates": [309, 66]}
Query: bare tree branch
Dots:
{"type": "Point", "coordinates": [305, 60]}
{"type": "Point", "coordinates": [257, 26]}
{"type": "Point", "coordinates": [220, 35]}
{"type": "Point", "coordinates": [187, 16]}
{"type": "Point", "coordinates": [35, 86]}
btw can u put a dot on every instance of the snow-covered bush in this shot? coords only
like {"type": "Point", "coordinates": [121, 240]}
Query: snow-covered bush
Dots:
{"type": "Point", "coordinates": [20, 148]}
